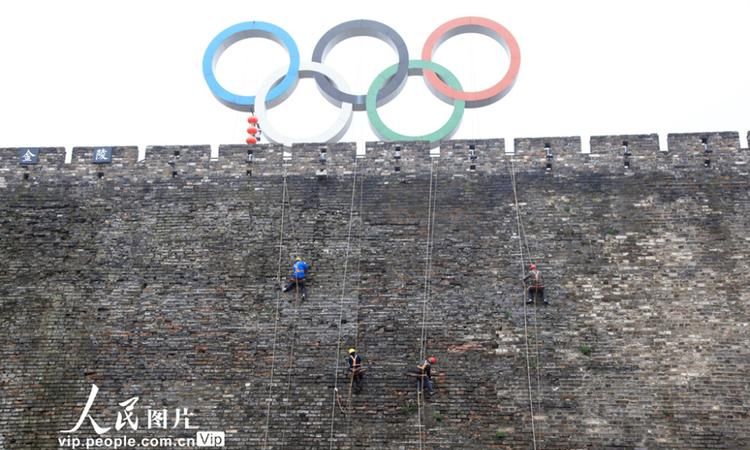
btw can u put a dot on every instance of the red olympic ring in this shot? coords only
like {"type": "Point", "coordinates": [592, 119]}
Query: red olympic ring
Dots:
{"type": "Point", "coordinates": [473, 25]}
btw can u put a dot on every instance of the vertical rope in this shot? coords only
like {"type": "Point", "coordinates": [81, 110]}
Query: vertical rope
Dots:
{"type": "Point", "coordinates": [360, 233]}
{"type": "Point", "coordinates": [290, 366]}
{"type": "Point", "coordinates": [432, 201]}
{"type": "Point", "coordinates": [291, 355]}
{"type": "Point", "coordinates": [269, 400]}
{"type": "Point", "coordinates": [531, 258]}
{"type": "Point", "coordinates": [525, 321]}
{"type": "Point", "coordinates": [341, 307]}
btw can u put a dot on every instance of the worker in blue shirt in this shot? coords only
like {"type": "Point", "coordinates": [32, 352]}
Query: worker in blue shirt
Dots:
{"type": "Point", "coordinates": [297, 278]}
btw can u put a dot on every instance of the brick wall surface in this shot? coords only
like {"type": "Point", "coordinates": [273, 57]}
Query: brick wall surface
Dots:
{"type": "Point", "coordinates": [158, 279]}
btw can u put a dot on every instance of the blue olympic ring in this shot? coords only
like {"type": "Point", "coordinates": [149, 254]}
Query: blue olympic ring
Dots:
{"type": "Point", "coordinates": [243, 31]}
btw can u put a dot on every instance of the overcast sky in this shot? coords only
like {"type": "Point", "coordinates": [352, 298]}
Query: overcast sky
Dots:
{"type": "Point", "coordinates": [95, 72]}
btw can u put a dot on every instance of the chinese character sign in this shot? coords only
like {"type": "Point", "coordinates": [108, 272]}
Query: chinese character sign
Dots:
{"type": "Point", "coordinates": [28, 156]}
{"type": "Point", "coordinates": [102, 155]}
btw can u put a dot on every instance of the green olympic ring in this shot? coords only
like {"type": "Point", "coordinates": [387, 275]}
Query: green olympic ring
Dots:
{"type": "Point", "coordinates": [416, 66]}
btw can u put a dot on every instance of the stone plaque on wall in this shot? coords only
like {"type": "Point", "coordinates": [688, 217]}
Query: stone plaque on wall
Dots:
{"type": "Point", "coordinates": [102, 155]}
{"type": "Point", "coordinates": [28, 156]}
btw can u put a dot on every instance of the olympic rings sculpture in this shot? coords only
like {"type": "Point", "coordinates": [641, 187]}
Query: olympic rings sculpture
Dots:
{"type": "Point", "coordinates": [384, 88]}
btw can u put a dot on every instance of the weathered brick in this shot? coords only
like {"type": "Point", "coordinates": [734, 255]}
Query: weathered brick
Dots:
{"type": "Point", "coordinates": [158, 279]}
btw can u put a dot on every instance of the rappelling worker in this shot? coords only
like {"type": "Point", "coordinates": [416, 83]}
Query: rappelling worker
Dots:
{"type": "Point", "coordinates": [356, 371]}
{"type": "Point", "coordinates": [424, 375]}
{"type": "Point", "coordinates": [536, 285]}
{"type": "Point", "coordinates": [297, 278]}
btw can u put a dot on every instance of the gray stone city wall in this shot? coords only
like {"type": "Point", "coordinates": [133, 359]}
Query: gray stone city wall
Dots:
{"type": "Point", "coordinates": [158, 279]}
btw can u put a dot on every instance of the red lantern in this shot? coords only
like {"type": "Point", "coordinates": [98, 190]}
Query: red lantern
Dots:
{"type": "Point", "coordinates": [252, 130]}
{"type": "Point", "coordinates": [252, 120]}
{"type": "Point", "coordinates": [251, 140]}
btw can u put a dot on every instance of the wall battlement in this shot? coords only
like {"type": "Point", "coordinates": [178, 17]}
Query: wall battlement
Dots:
{"type": "Point", "coordinates": [557, 155]}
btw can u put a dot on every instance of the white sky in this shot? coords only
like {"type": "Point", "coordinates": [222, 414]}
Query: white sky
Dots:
{"type": "Point", "coordinates": [94, 72]}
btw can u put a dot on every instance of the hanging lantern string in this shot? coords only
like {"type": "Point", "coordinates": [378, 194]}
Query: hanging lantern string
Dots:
{"type": "Point", "coordinates": [253, 130]}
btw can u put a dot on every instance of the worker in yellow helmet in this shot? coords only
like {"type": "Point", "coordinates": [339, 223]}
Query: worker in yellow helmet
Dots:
{"type": "Point", "coordinates": [356, 371]}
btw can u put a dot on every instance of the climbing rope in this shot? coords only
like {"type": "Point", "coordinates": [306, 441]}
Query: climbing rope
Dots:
{"type": "Point", "coordinates": [269, 399]}
{"type": "Point", "coordinates": [358, 284]}
{"type": "Point", "coordinates": [525, 320]}
{"type": "Point", "coordinates": [530, 258]}
{"type": "Point", "coordinates": [341, 306]}
{"type": "Point", "coordinates": [290, 368]}
{"type": "Point", "coordinates": [291, 357]}
{"type": "Point", "coordinates": [432, 202]}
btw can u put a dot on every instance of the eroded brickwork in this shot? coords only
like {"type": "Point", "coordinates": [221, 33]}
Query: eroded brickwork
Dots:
{"type": "Point", "coordinates": [158, 279]}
